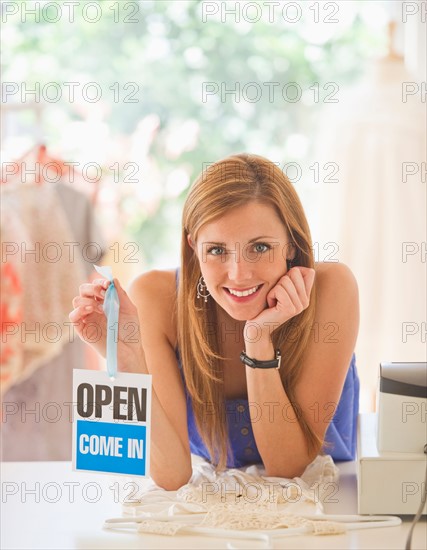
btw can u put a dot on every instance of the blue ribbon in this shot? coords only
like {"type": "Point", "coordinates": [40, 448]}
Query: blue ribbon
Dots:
{"type": "Point", "coordinates": [111, 310]}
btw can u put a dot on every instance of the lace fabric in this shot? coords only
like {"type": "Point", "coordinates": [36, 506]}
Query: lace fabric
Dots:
{"type": "Point", "coordinates": [244, 504]}
{"type": "Point", "coordinates": [239, 499]}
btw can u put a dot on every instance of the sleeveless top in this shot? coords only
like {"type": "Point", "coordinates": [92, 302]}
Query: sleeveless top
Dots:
{"type": "Point", "coordinates": [340, 435]}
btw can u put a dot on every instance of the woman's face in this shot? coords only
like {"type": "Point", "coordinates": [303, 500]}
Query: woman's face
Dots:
{"type": "Point", "coordinates": [242, 255]}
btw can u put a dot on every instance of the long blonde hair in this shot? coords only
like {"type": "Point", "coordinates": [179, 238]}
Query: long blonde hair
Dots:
{"type": "Point", "coordinates": [232, 182]}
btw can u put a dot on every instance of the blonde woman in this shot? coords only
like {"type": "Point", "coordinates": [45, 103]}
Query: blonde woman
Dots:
{"type": "Point", "coordinates": [250, 342]}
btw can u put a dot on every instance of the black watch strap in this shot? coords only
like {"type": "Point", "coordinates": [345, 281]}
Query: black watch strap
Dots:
{"type": "Point", "coordinates": [255, 364]}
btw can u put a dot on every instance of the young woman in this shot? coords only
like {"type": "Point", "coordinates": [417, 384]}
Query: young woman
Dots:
{"type": "Point", "coordinates": [250, 343]}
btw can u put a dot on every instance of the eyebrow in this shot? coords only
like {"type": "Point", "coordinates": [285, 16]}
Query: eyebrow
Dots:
{"type": "Point", "coordinates": [250, 240]}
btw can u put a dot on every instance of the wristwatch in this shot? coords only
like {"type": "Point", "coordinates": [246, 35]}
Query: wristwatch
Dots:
{"type": "Point", "coordinates": [255, 364]}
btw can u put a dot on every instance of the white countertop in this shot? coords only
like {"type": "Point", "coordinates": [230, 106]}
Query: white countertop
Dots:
{"type": "Point", "coordinates": [47, 505]}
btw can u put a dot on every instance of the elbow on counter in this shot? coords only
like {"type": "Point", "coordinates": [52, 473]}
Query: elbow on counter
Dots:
{"type": "Point", "coordinates": [172, 480]}
{"type": "Point", "coordinates": [285, 472]}
{"type": "Point", "coordinates": [289, 470]}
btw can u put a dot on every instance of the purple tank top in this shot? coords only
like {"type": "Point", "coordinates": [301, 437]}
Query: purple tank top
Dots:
{"type": "Point", "coordinates": [340, 435]}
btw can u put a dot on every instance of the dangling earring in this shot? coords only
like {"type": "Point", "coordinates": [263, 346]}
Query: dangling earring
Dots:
{"type": "Point", "coordinates": [202, 289]}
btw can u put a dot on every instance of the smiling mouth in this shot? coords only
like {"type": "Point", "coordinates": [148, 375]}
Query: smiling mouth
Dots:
{"type": "Point", "coordinates": [242, 293]}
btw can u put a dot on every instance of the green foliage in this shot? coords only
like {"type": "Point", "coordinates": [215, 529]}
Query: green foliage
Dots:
{"type": "Point", "coordinates": [169, 52]}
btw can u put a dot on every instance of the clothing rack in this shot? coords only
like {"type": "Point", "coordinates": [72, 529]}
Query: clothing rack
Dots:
{"type": "Point", "coordinates": [40, 156]}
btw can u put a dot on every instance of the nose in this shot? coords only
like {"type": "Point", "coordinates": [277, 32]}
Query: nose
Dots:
{"type": "Point", "coordinates": [240, 270]}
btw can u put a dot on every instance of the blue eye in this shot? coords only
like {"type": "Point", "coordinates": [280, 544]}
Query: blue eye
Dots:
{"type": "Point", "coordinates": [261, 247]}
{"type": "Point", "coordinates": [216, 250]}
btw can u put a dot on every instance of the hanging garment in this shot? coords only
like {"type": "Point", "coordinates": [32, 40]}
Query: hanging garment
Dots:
{"type": "Point", "coordinates": [79, 211]}
{"type": "Point", "coordinates": [38, 411]}
{"type": "Point", "coordinates": [374, 211]}
{"type": "Point", "coordinates": [12, 296]}
{"type": "Point", "coordinates": [49, 279]}
{"type": "Point", "coordinates": [11, 355]}
{"type": "Point", "coordinates": [36, 405]}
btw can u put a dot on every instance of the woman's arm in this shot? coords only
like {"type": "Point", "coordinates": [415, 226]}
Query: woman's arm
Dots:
{"type": "Point", "coordinates": [154, 293]}
{"type": "Point", "coordinates": [280, 440]}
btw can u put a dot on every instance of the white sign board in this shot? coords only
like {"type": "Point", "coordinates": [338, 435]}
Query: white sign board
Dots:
{"type": "Point", "coordinates": [111, 428]}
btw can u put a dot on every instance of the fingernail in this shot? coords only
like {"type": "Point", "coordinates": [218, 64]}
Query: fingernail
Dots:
{"type": "Point", "coordinates": [100, 309]}
{"type": "Point", "coordinates": [88, 308]}
{"type": "Point", "coordinates": [102, 293]}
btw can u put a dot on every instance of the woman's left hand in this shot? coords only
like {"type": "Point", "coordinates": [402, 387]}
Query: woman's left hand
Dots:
{"type": "Point", "coordinates": [289, 297]}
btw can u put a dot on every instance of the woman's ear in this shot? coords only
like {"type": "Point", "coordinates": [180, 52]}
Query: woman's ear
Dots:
{"type": "Point", "coordinates": [290, 251]}
{"type": "Point", "coordinates": [190, 242]}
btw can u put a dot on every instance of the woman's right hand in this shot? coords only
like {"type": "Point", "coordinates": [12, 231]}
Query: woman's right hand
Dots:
{"type": "Point", "coordinates": [90, 323]}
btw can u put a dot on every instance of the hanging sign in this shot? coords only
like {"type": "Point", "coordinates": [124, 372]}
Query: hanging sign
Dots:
{"type": "Point", "coordinates": [111, 429]}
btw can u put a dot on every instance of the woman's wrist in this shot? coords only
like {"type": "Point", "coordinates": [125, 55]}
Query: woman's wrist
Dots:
{"type": "Point", "coordinates": [258, 343]}
{"type": "Point", "coordinates": [261, 350]}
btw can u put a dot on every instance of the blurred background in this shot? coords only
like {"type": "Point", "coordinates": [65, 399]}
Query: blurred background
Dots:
{"type": "Point", "coordinates": [111, 109]}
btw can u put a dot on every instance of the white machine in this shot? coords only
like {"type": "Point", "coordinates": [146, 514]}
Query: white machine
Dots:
{"type": "Point", "coordinates": [402, 407]}
{"type": "Point", "coordinates": [392, 443]}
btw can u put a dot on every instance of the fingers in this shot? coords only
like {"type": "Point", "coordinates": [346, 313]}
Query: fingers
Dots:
{"type": "Point", "coordinates": [283, 295]}
{"type": "Point", "coordinates": [82, 301]}
{"type": "Point", "coordinates": [91, 298]}
{"type": "Point", "coordinates": [292, 291]}
{"type": "Point", "coordinates": [308, 275]}
{"type": "Point", "coordinates": [300, 286]}
{"type": "Point", "coordinates": [94, 290]}
{"type": "Point", "coordinates": [89, 301]}
{"type": "Point", "coordinates": [287, 294]}
{"type": "Point", "coordinates": [80, 313]}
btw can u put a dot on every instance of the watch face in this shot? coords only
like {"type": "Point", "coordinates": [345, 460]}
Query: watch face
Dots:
{"type": "Point", "coordinates": [247, 360]}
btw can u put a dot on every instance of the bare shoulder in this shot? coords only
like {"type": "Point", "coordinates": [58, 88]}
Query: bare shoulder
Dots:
{"type": "Point", "coordinates": [337, 297]}
{"type": "Point", "coordinates": [154, 294]}
{"type": "Point", "coordinates": [155, 280]}
{"type": "Point", "coordinates": [335, 277]}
